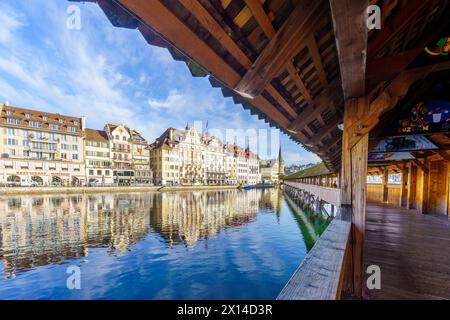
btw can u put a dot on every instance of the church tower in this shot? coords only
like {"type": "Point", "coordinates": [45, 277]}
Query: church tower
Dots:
{"type": "Point", "coordinates": [280, 165]}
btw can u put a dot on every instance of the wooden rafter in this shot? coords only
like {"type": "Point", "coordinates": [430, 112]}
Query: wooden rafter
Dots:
{"type": "Point", "coordinates": [282, 48]}
{"type": "Point", "coordinates": [326, 130]}
{"type": "Point", "coordinates": [349, 21]}
{"type": "Point", "coordinates": [156, 15]}
{"type": "Point", "coordinates": [313, 110]}
{"type": "Point", "coordinates": [202, 14]}
{"type": "Point", "coordinates": [268, 29]}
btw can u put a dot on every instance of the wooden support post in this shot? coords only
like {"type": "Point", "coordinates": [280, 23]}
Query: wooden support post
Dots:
{"type": "Point", "coordinates": [404, 187]}
{"type": "Point", "coordinates": [385, 184]}
{"type": "Point", "coordinates": [412, 188]}
{"type": "Point", "coordinates": [423, 187]}
{"type": "Point", "coordinates": [353, 192]}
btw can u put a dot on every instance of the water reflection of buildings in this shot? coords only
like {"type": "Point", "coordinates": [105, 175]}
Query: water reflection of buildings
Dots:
{"type": "Point", "coordinates": [41, 230]}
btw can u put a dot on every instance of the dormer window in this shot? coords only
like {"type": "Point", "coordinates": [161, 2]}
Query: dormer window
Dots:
{"type": "Point", "coordinates": [61, 120]}
{"type": "Point", "coordinates": [27, 115]}
{"type": "Point", "coordinates": [34, 124]}
{"type": "Point", "coordinates": [9, 112]}
{"type": "Point", "coordinates": [76, 123]}
{"type": "Point", "coordinates": [71, 129]}
{"type": "Point", "coordinates": [45, 118]}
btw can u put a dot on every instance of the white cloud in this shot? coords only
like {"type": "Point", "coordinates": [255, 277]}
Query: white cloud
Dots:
{"type": "Point", "coordinates": [10, 21]}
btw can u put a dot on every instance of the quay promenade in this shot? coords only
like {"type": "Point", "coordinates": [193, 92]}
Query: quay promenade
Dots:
{"type": "Point", "coordinates": [112, 189]}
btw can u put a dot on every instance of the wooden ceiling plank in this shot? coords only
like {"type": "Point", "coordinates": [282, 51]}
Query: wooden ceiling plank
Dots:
{"type": "Point", "coordinates": [312, 111]}
{"type": "Point", "coordinates": [299, 82]}
{"type": "Point", "coordinates": [281, 48]}
{"type": "Point", "coordinates": [317, 60]}
{"type": "Point", "coordinates": [216, 30]}
{"type": "Point", "coordinates": [324, 131]}
{"type": "Point", "coordinates": [349, 21]}
{"type": "Point", "coordinates": [402, 19]}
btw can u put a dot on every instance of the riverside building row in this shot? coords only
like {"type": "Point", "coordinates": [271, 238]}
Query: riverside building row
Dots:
{"type": "Point", "coordinates": [39, 148]}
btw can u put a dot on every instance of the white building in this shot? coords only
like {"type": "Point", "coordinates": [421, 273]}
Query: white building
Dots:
{"type": "Point", "coordinates": [97, 155]}
{"type": "Point", "coordinates": [40, 148]}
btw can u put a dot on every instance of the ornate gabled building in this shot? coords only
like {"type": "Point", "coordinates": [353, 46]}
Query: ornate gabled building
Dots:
{"type": "Point", "coordinates": [188, 157]}
{"type": "Point", "coordinates": [129, 155]}
{"type": "Point", "coordinates": [140, 155]}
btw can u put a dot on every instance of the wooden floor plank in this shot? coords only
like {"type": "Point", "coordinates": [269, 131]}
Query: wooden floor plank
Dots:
{"type": "Point", "coordinates": [412, 251]}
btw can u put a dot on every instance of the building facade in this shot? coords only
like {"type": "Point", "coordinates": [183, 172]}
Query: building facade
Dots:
{"type": "Point", "coordinates": [98, 158]}
{"type": "Point", "coordinates": [40, 149]}
{"type": "Point", "coordinates": [188, 157]}
{"type": "Point", "coordinates": [273, 169]}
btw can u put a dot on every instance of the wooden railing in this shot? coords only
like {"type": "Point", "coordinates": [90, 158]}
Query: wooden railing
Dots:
{"type": "Point", "coordinates": [321, 275]}
{"type": "Point", "coordinates": [327, 194]}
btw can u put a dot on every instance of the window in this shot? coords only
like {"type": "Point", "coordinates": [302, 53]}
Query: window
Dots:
{"type": "Point", "coordinates": [44, 118]}
{"type": "Point", "coordinates": [27, 115]}
{"type": "Point", "coordinates": [11, 132]}
{"type": "Point", "coordinates": [64, 146]}
{"type": "Point", "coordinates": [12, 142]}
{"type": "Point", "coordinates": [74, 147]}
{"type": "Point", "coordinates": [99, 172]}
{"type": "Point", "coordinates": [63, 155]}
{"type": "Point", "coordinates": [9, 112]}
{"type": "Point", "coordinates": [25, 143]}
{"type": "Point", "coordinates": [53, 126]}
{"type": "Point", "coordinates": [76, 123]}
{"type": "Point", "coordinates": [106, 172]}
{"type": "Point", "coordinates": [117, 137]}
{"type": "Point", "coordinates": [61, 120]}
{"type": "Point", "coordinates": [71, 129]}
{"type": "Point", "coordinates": [91, 172]}
{"type": "Point", "coordinates": [74, 156]}
{"type": "Point", "coordinates": [34, 124]}
{"type": "Point", "coordinates": [12, 121]}
{"type": "Point", "coordinates": [124, 138]}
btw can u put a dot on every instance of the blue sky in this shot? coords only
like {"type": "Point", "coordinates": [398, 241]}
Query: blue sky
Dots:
{"type": "Point", "coordinates": [108, 74]}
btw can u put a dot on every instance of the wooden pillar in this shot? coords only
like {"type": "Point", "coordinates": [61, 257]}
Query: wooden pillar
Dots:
{"type": "Point", "coordinates": [423, 178]}
{"type": "Point", "coordinates": [353, 191]}
{"type": "Point", "coordinates": [438, 188]}
{"type": "Point", "coordinates": [412, 187]}
{"type": "Point", "coordinates": [404, 187]}
{"type": "Point", "coordinates": [385, 184]}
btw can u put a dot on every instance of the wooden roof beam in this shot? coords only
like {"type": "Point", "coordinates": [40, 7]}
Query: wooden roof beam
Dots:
{"type": "Point", "coordinates": [323, 132]}
{"type": "Point", "coordinates": [388, 99]}
{"type": "Point", "coordinates": [313, 110]}
{"type": "Point", "coordinates": [349, 21]}
{"type": "Point", "coordinates": [163, 21]}
{"type": "Point", "coordinates": [268, 29]}
{"type": "Point", "coordinates": [282, 47]}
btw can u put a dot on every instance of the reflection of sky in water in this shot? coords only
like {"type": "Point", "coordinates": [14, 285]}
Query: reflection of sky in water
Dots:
{"type": "Point", "coordinates": [228, 245]}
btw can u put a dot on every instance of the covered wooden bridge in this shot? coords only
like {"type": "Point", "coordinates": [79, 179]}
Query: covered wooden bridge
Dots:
{"type": "Point", "coordinates": [312, 68]}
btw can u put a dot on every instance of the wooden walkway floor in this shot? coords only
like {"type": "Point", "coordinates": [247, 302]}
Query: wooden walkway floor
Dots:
{"type": "Point", "coordinates": [412, 250]}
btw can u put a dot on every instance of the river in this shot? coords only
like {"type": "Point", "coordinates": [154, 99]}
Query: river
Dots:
{"type": "Point", "coordinates": [229, 244]}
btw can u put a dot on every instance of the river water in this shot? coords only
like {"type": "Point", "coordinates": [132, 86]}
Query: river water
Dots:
{"type": "Point", "coordinates": [184, 245]}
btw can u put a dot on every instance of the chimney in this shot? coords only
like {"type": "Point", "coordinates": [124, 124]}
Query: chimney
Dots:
{"type": "Point", "coordinates": [170, 134]}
